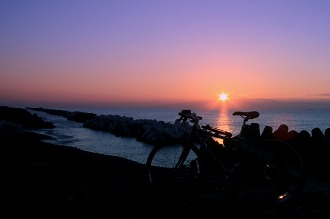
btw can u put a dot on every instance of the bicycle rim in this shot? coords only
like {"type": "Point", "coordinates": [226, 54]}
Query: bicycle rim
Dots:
{"type": "Point", "coordinates": [174, 168]}
{"type": "Point", "coordinates": [272, 173]}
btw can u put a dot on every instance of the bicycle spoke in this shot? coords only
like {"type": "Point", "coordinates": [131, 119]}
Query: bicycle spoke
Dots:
{"type": "Point", "coordinates": [169, 170]}
{"type": "Point", "coordinates": [280, 174]}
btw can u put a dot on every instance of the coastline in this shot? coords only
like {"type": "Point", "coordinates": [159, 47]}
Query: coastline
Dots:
{"type": "Point", "coordinates": [48, 181]}
{"type": "Point", "coordinates": [44, 180]}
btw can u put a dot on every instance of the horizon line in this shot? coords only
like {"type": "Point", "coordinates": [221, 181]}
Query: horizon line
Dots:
{"type": "Point", "coordinates": [252, 104]}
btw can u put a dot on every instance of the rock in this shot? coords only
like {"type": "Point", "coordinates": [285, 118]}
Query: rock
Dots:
{"type": "Point", "coordinates": [317, 138]}
{"type": "Point", "coordinates": [326, 140]}
{"type": "Point", "coordinates": [267, 132]}
{"type": "Point", "coordinates": [145, 130]}
{"type": "Point", "coordinates": [76, 116]}
{"type": "Point", "coordinates": [23, 117]}
{"type": "Point", "coordinates": [7, 127]}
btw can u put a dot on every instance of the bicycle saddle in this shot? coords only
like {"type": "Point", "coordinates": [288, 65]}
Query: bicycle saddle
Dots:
{"type": "Point", "coordinates": [249, 115]}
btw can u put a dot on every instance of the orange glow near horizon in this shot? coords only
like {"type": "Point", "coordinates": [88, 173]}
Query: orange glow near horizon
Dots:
{"type": "Point", "coordinates": [121, 55]}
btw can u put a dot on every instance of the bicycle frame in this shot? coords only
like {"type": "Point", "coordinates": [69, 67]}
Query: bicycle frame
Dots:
{"type": "Point", "coordinates": [254, 166]}
{"type": "Point", "coordinates": [208, 132]}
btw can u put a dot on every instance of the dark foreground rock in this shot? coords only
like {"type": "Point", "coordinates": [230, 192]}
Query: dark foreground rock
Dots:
{"type": "Point", "coordinates": [49, 181]}
{"type": "Point", "coordinates": [76, 116]}
{"type": "Point", "coordinates": [42, 180]}
{"type": "Point", "coordinates": [23, 118]}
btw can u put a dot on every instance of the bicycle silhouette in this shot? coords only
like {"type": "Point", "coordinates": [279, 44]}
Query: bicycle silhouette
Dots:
{"type": "Point", "coordinates": [261, 171]}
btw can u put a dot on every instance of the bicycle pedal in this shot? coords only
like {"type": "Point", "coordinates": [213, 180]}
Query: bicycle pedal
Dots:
{"type": "Point", "coordinates": [235, 166]}
{"type": "Point", "coordinates": [194, 166]}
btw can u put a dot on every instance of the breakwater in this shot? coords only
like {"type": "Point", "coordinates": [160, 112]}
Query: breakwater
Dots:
{"type": "Point", "coordinates": [313, 146]}
{"type": "Point", "coordinates": [154, 131]}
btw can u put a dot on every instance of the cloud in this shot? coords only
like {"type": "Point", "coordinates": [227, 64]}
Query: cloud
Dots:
{"type": "Point", "coordinates": [324, 95]}
{"type": "Point", "coordinates": [321, 95]}
{"type": "Point", "coordinates": [258, 104]}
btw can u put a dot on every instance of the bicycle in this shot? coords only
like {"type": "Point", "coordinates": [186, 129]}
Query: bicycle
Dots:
{"type": "Point", "coordinates": [262, 170]}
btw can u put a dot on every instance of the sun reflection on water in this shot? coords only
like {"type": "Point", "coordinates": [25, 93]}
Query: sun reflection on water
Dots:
{"type": "Point", "coordinates": [224, 122]}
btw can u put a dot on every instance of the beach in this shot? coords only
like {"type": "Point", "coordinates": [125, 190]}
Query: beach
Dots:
{"type": "Point", "coordinates": [44, 180]}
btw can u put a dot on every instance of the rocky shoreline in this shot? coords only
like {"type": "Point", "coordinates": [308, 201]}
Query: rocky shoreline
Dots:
{"type": "Point", "coordinates": [314, 148]}
{"type": "Point", "coordinates": [43, 180]}
{"type": "Point", "coordinates": [154, 131]}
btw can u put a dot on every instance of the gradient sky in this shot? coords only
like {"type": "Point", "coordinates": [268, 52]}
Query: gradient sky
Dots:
{"type": "Point", "coordinates": [159, 51]}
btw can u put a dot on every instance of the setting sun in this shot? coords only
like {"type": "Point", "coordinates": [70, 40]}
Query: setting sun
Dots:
{"type": "Point", "coordinates": [223, 97]}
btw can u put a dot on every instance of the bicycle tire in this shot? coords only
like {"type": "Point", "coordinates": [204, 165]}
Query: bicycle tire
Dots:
{"type": "Point", "coordinates": [272, 173]}
{"type": "Point", "coordinates": [174, 169]}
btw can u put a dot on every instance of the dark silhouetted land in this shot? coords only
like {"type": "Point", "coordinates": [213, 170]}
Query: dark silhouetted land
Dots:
{"type": "Point", "coordinates": [42, 180]}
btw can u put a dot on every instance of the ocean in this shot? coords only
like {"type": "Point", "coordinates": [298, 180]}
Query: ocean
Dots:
{"type": "Point", "coordinates": [73, 134]}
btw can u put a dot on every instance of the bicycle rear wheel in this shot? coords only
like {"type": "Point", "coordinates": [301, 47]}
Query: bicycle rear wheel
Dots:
{"type": "Point", "coordinates": [272, 173]}
{"type": "Point", "coordinates": [174, 168]}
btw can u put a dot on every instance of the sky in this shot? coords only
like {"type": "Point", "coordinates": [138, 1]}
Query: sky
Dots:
{"type": "Point", "coordinates": [158, 52]}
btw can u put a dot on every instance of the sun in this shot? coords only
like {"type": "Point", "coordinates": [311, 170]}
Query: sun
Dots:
{"type": "Point", "coordinates": [223, 97]}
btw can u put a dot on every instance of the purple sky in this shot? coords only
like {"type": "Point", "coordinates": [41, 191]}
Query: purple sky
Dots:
{"type": "Point", "coordinates": [160, 51]}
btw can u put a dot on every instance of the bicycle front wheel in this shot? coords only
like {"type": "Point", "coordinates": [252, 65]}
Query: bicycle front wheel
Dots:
{"type": "Point", "coordinates": [173, 167]}
{"type": "Point", "coordinates": [273, 172]}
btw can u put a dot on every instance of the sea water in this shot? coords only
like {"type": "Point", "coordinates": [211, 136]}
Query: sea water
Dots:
{"type": "Point", "coordinates": [73, 134]}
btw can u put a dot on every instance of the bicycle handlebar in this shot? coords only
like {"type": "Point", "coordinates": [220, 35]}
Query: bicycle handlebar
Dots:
{"type": "Point", "coordinates": [187, 114]}
{"type": "Point", "coordinates": [218, 133]}
{"type": "Point", "coordinates": [211, 131]}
